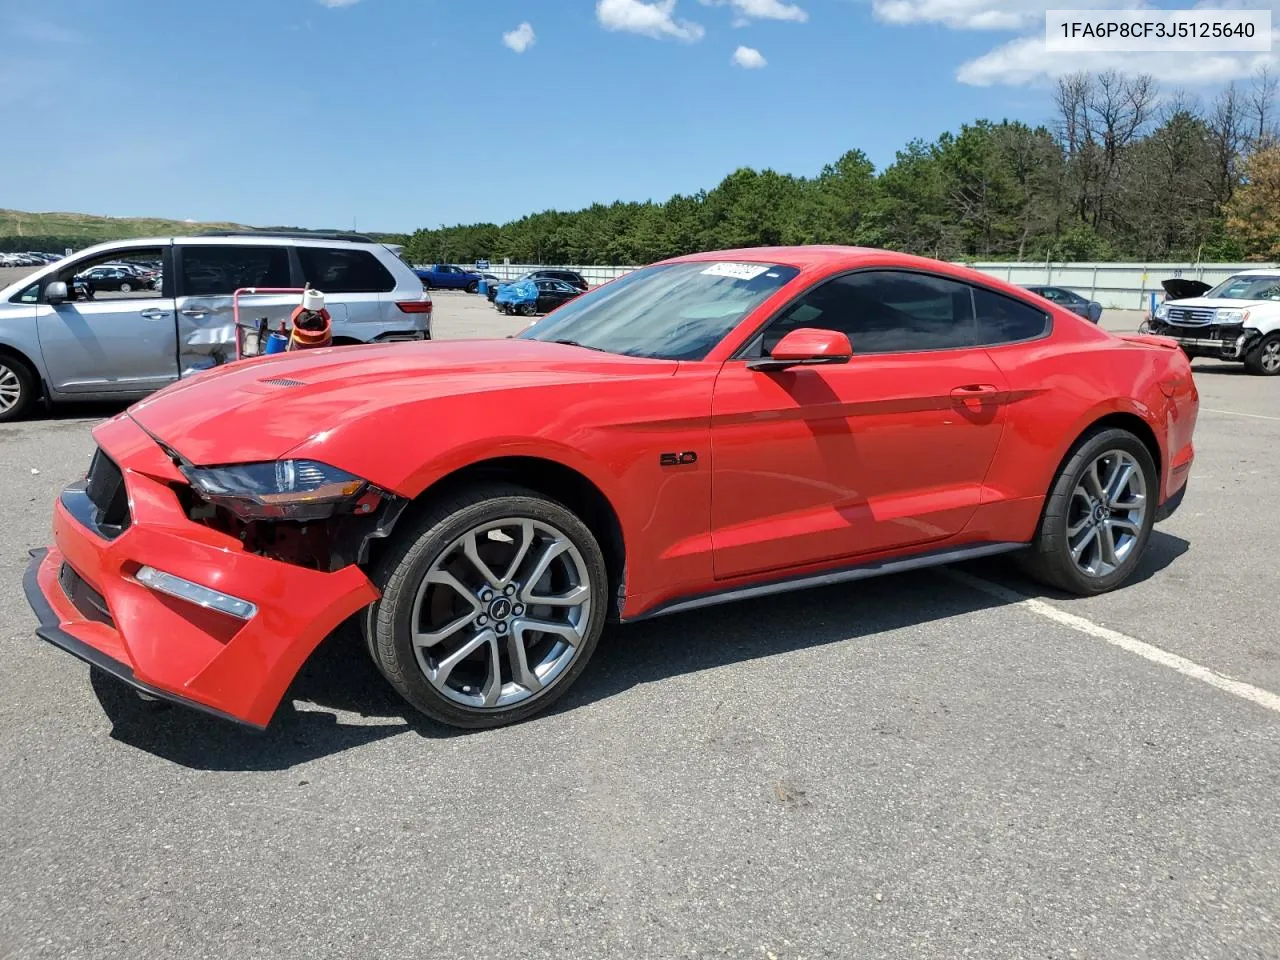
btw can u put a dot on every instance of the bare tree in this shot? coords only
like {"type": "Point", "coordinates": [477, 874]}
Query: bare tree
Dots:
{"type": "Point", "coordinates": [1119, 113]}
{"type": "Point", "coordinates": [1073, 95]}
{"type": "Point", "coordinates": [1260, 107]}
{"type": "Point", "coordinates": [1227, 128]}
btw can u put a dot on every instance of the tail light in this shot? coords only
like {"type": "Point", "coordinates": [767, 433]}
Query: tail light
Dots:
{"type": "Point", "coordinates": [414, 306]}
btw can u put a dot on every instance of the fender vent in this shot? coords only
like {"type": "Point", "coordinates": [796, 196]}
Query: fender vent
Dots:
{"type": "Point", "coordinates": [283, 382]}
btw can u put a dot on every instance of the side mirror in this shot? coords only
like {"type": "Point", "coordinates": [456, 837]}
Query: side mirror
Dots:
{"type": "Point", "coordinates": [806, 347]}
{"type": "Point", "coordinates": [56, 292]}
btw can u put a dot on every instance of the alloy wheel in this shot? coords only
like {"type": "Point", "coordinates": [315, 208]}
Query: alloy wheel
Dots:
{"type": "Point", "coordinates": [1270, 358]}
{"type": "Point", "coordinates": [10, 388]}
{"type": "Point", "coordinates": [501, 613]}
{"type": "Point", "coordinates": [1108, 508]}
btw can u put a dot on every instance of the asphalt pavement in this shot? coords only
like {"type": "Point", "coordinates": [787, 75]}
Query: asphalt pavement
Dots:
{"type": "Point", "coordinates": [941, 764]}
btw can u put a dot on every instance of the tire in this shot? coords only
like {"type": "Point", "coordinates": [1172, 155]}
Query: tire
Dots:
{"type": "Point", "coordinates": [17, 388]}
{"type": "Point", "coordinates": [126, 287]}
{"type": "Point", "coordinates": [1074, 517]}
{"type": "Point", "coordinates": [528, 310]}
{"type": "Point", "coordinates": [1264, 359]}
{"type": "Point", "coordinates": [473, 287]}
{"type": "Point", "coordinates": [429, 584]}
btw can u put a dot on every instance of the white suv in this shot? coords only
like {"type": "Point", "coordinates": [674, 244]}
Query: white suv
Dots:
{"type": "Point", "coordinates": [1239, 319]}
{"type": "Point", "coordinates": [63, 339]}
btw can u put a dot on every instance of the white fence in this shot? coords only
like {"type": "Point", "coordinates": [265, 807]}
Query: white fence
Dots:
{"type": "Point", "coordinates": [1117, 286]}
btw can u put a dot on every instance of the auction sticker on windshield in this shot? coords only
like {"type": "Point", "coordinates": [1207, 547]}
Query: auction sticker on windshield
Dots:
{"type": "Point", "coordinates": [738, 271]}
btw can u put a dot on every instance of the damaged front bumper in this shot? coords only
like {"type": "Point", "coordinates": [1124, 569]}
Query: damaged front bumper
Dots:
{"type": "Point", "coordinates": [1223, 341]}
{"type": "Point", "coordinates": [141, 599]}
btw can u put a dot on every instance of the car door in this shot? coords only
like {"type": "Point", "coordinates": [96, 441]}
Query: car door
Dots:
{"type": "Point", "coordinates": [207, 276]}
{"type": "Point", "coordinates": [112, 343]}
{"type": "Point", "coordinates": [890, 450]}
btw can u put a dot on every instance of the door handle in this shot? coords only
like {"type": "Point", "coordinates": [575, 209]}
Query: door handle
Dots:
{"type": "Point", "coordinates": [153, 314]}
{"type": "Point", "coordinates": [194, 313]}
{"type": "Point", "coordinates": [975, 391]}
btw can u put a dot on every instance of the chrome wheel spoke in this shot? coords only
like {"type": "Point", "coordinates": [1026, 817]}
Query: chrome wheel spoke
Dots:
{"type": "Point", "coordinates": [444, 669]}
{"type": "Point", "coordinates": [471, 549]}
{"type": "Point", "coordinates": [570, 598]}
{"type": "Point", "coordinates": [522, 551]}
{"type": "Point", "coordinates": [1074, 529]}
{"type": "Point", "coordinates": [1078, 548]}
{"type": "Point", "coordinates": [1119, 481]}
{"type": "Point", "coordinates": [565, 631]}
{"type": "Point", "coordinates": [1093, 486]}
{"type": "Point", "coordinates": [430, 638]}
{"type": "Point", "coordinates": [1124, 525]}
{"type": "Point", "coordinates": [553, 550]}
{"type": "Point", "coordinates": [518, 656]}
{"type": "Point", "coordinates": [1107, 546]}
{"type": "Point", "coordinates": [493, 684]}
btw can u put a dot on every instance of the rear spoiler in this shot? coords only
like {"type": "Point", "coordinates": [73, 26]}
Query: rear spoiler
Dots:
{"type": "Point", "coordinates": [1149, 340]}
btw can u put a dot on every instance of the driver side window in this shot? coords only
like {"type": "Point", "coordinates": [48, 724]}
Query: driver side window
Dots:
{"type": "Point", "coordinates": [883, 311]}
{"type": "Point", "coordinates": [130, 274]}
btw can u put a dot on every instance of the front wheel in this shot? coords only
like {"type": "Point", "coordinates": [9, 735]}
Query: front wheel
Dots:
{"type": "Point", "coordinates": [1098, 516]}
{"type": "Point", "coordinates": [17, 388]}
{"type": "Point", "coordinates": [1264, 359]}
{"type": "Point", "coordinates": [473, 286]}
{"type": "Point", "coordinates": [492, 604]}
{"type": "Point", "coordinates": [126, 287]}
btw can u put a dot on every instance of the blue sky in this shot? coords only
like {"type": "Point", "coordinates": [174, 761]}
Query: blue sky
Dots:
{"type": "Point", "coordinates": [407, 113]}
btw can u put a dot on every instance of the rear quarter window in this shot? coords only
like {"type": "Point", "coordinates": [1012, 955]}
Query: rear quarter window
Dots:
{"type": "Point", "coordinates": [1002, 319]}
{"type": "Point", "coordinates": [344, 271]}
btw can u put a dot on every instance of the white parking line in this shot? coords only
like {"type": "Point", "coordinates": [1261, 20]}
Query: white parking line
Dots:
{"type": "Point", "coordinates": [1188, 668]}
{"type": "Point", "coordinates": [1237, 413]}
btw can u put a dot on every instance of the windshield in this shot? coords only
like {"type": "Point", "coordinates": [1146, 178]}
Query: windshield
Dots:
{"type": "Point", "coordinates": [1247, 288]}
{"type": "Point", "coordinates": [675, 311]}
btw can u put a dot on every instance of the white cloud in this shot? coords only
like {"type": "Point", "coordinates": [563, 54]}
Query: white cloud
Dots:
{"type": "Point", "coordinates": [521, 38]}
{"type": "Point", "coordinates": [749, 58]}
{"type": "Point", "coordinates": [982, 14]}
{"type": "Point", "coordinates": [656, 19]}
{"type": "Point", "coordinates": [335, 4]}
{"type": "Point", "coordinates": [748, 10]}
{"type": "Point", "coordinates": [1025, 61]}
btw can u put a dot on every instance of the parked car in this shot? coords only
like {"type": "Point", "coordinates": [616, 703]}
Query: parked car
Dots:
{"type": "Point", "coordinates": [530, 297]}
{"type": "Point", "coordinates": [111, 277]}
{"type": "Point", "coordinates": [567, 276]}
{"type": "Point", "coordinates": [1239, 319]}
{"type": "Point", "coordinates": [1091, 310]}
{"type": "Point", "coordinates": [62, 338]}
{"type": "Point", "coordinates": [481, 508]}
{"type": "Point", "coordinates": [446, 276]}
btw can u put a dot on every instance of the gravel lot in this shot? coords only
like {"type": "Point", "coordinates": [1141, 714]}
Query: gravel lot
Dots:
{"type": "Point", "coordinates": [920, 766]}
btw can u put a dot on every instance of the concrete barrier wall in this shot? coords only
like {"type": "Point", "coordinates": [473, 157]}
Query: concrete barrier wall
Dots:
{"type": "Point", "coordinates": [1117, 286]}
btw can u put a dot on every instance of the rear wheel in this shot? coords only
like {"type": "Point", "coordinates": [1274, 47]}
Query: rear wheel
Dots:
{"type": "Point", "coordinates": [17, 388]}
{"type": "Point", "coordinates": [491, 606]}
{"type": "Point", "coordinates": [126, 287]}
{"type": "Point", "coordinates": [1264, 359]}
{"type": "Point", "coordinates": [473, 286]}
{"type": "Point", "coordinates": [1098, 516]}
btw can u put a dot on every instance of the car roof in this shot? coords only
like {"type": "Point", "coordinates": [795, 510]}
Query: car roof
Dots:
{"type": "Point", "coordinates": [806, 257]}
{"type": "Point", "coordinates": [1259, 272]}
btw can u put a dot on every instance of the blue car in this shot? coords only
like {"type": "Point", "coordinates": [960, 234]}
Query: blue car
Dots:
{"type": "Point", "coordinates": [446, 276]}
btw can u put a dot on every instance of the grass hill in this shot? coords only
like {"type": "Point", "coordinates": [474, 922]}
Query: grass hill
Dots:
{"type": "Point", "coordinates": [84, 229]}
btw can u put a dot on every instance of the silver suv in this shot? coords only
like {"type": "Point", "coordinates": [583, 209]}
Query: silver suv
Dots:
{"type": "Point", "coordinates": [65, 336]}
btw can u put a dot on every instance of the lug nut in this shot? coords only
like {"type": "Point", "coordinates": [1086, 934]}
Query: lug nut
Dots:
{"type": "Point", "coordinates": [517, 610]}
{"type": "Point", "coordinates": [501, 628]}
{"type": "Point", "coordinates": [511, 590]}
{"type": "Point", "coordinates": [482, 620]}
{"type": "Point", "coordinates": [486, 595]}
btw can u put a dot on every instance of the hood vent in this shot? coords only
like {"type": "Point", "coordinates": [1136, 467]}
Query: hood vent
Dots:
{"type": "Point", "coordinates": [283, 382]}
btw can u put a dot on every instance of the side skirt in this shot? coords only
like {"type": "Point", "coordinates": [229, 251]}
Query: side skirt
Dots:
{"type": "Point", "coordinates": [862, 571]}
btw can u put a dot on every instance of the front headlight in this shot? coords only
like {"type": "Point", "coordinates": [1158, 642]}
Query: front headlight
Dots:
{"type": "Point", "coordinates": [1231, 316]}
{"type": "Point", "coordinates": [279, 490]}
{"type": "Point", "coordinates": [1162, 311]}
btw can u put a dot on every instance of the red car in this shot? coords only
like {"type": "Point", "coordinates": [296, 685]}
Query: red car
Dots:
{"type": "Point", "coordinates": [714, 427]}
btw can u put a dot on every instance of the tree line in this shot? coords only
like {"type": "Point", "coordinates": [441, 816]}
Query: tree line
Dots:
{"type": "Point", "coordinates": [1124, 171]}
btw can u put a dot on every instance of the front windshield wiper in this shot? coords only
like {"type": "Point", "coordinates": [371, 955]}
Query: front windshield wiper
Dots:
{"type": "Point", "coordinates": [575, 343]}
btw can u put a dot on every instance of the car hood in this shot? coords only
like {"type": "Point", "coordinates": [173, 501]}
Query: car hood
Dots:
{"type": "Point", "coordinates": [1179, 288]}
{"type": "Point", "coordinates": [260, 409]}
{"type": "Point", "coordinates": [1220, 303]}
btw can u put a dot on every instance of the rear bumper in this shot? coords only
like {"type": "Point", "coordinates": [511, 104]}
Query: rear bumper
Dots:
{"type": "Point", "coordinates": [237, 669]}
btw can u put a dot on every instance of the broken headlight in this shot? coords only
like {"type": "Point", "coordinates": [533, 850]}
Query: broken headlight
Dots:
{"type": "Point", "coordinates": [279, 490]}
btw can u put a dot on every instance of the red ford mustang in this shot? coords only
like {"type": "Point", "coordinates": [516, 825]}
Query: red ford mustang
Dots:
{"type": "Point", "coordinates": [714, 427]}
